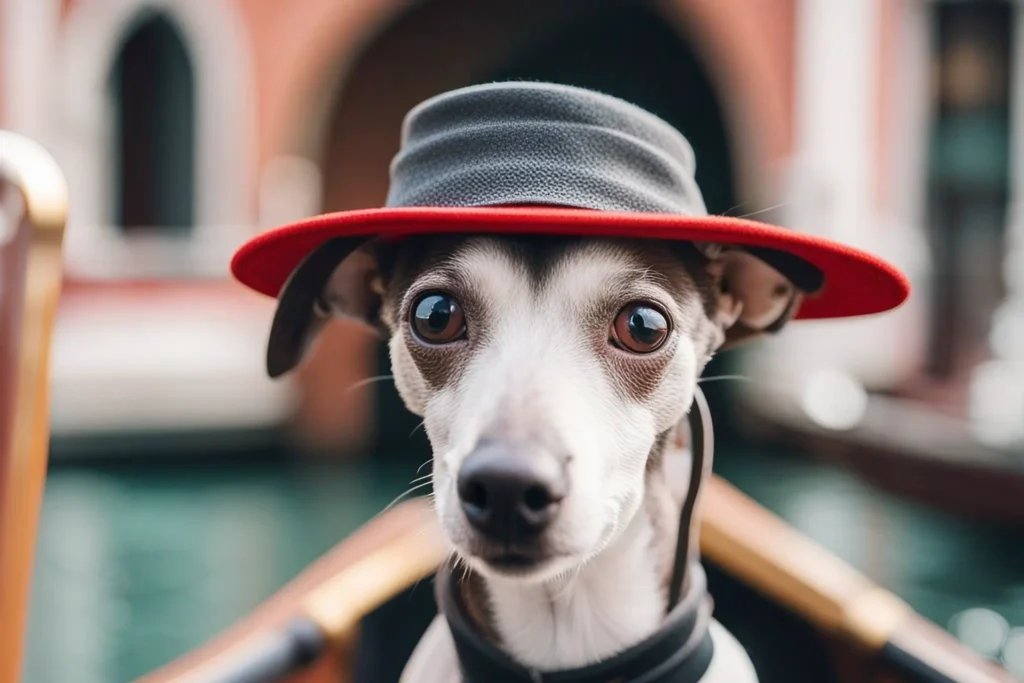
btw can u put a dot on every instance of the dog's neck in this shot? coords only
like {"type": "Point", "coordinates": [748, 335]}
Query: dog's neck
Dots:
{"type": "Point", "coordinates": [611, 603]}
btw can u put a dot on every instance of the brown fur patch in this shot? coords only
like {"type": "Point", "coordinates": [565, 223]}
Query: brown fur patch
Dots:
{"type": "Point", "coordinates": [678, 273]}
{"type": "Point", "coordinates": [661, 509]}
{"type": "Point", "coordinates": [473, 593]}
{"type": "Point", "coordinates": [406, 263]}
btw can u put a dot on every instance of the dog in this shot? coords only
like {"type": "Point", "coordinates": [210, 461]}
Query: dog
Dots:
{"type": "Point", "coordinates": [551, 288]}
{"type": "Point", "coordinates": [553, 376]}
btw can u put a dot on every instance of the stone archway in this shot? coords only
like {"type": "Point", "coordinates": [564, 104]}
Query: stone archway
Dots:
{"type": "Point", "coordinates": [624, 48]}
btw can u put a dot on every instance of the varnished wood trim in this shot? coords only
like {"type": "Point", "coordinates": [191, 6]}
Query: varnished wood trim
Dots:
{"type": "Point", "coordinates": [339, 604]}
{"type": "Point", "coordinates": [34, 173]}
{"type": "Point", "coordinates": [766, 553]}
{"type": "Point", "coordinates": [924, 652]}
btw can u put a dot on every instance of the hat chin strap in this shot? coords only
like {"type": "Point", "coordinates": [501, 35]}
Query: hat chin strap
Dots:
{"type": "Point", "coordinates": [702, 449]}
{"type": "Point", "coordinates": [679, 652]}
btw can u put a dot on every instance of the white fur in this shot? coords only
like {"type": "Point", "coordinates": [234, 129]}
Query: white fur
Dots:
{"type": "Point", "coordinates": [603, 607]}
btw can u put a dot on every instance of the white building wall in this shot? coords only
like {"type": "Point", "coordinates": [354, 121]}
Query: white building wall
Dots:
{"type": "Point", "coordinates": [215, 39]}
{"type": "Point", "coordinates": [832, 194]}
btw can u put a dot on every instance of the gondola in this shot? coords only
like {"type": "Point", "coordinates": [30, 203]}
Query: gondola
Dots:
{"type": "Point", "coordinates": [801, 612]}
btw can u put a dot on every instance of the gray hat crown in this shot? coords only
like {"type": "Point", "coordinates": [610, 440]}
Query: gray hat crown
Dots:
{"type": "Point", "coordinates": [524, 143]}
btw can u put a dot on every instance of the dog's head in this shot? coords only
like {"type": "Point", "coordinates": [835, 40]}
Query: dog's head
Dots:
{"type": "Point", "coordinates": [546, 370]}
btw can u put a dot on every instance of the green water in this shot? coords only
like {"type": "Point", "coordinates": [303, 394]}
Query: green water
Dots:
{"type": "Point", "coordinates": [137, 566]}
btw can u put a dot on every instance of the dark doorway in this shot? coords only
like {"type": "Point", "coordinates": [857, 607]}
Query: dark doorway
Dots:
{"type": "Point", "coordinates": [628, 50]}
{"type": "Point", "coordinates": [152, 88]}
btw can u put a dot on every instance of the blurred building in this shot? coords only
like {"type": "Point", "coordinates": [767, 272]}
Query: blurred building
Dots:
{"type": "Point", "coordinates": [185, 126]}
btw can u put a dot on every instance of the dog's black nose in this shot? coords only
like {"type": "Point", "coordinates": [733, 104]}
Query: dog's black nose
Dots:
{"type": "Point", "coordinates": [508, 493]}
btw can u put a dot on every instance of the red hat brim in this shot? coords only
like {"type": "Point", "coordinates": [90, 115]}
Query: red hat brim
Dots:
{"type": "Point", "coordinates": [856, 282]}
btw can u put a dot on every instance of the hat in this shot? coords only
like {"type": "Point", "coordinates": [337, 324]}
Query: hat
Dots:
{"type": "Point", "coordinates": [545, 159]}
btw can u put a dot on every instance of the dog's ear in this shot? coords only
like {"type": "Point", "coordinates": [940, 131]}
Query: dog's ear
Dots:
{"type": "Point", "coordinates": [340, 278]}
{"type": "Point", "coordinates": [758, 289]}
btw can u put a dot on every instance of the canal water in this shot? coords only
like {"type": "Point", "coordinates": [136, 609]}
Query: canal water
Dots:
{"type": "Point", "coordinates": [138, 565]}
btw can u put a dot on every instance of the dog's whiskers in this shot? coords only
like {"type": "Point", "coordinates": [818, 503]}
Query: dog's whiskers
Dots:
{"type": "Point", "coordinates": [457, 562]}
{"type": "Point", "coordinates": [733, 208]}
{"type": "Point", "coordinates": [718, 378]}
{"type": "Point", "coordinates": [405, 493]}
{"type": "Point", "coordinates": [765, 210]}
{"type": "Point", "coordinates": [370, 380]}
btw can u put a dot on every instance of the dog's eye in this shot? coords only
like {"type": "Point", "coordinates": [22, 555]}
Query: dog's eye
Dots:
{"type": "Point", "coordinates": [437, 319]}
{"type": "Point", "coordinates": [640, 328]}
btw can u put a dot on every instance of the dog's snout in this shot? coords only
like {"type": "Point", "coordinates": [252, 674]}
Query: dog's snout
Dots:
{"type": "Point", "coordinates": [510, 494]}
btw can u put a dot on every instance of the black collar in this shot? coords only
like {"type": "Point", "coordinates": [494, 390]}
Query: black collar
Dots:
{"type": "Point", "coordinates": [679, 652]}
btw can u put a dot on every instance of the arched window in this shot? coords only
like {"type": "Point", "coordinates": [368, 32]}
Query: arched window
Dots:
{"type": "Point", "coordinates": [152, 88]}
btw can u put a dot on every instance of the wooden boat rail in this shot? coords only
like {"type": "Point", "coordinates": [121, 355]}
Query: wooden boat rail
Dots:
{"type": "Point", "coordinates": [33, 210]}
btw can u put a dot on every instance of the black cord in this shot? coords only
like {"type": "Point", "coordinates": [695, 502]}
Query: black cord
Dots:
{"type": "Point", "coordinates": [701, 455]}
